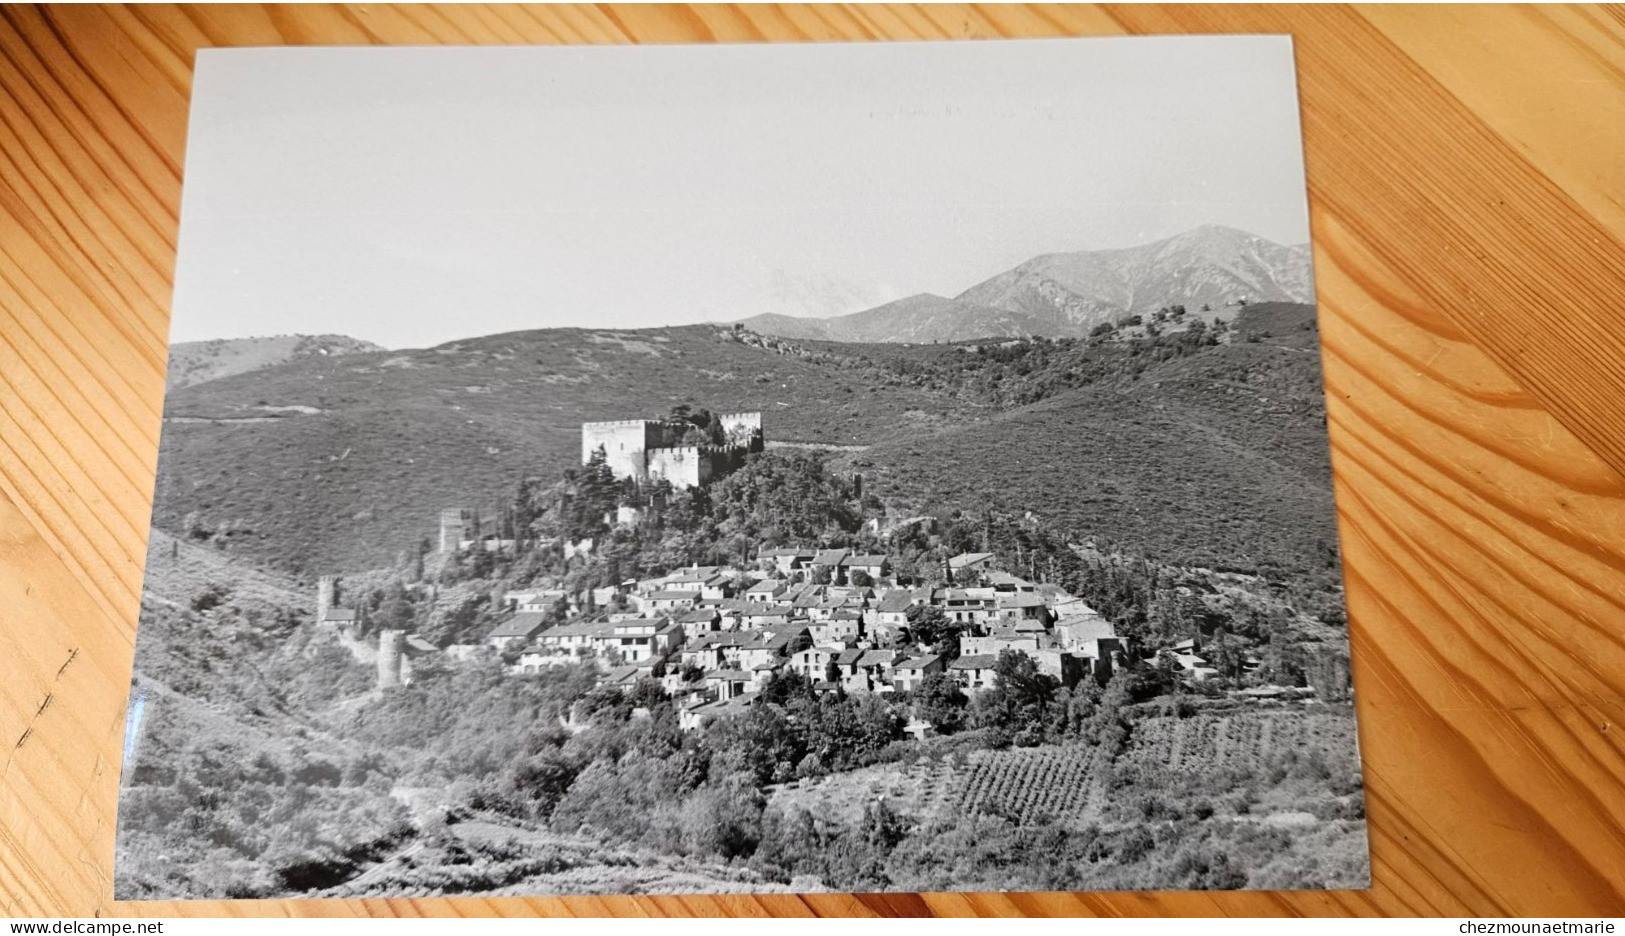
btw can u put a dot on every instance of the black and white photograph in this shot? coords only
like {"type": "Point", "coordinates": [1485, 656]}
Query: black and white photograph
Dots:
{"type": "Point", "coordinates": [741, 469]}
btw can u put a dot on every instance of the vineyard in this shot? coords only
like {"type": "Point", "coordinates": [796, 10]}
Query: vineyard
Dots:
{"type": "Point", "coordinates": [1060, 781]}
{"type": "Point", "coordinates": [1242, 740]}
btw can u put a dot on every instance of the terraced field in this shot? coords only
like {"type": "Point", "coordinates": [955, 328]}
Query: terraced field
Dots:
{"type": "Point", "coordinates": [1061, 781]}
{"type": "Point", "coordinates": [1240, 739]}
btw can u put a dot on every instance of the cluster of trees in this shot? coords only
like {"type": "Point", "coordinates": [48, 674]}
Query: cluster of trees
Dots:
{"type": "Point", "coordinates": [1022, 371]}
{"type": "Point", "coordinates": [229, 794]}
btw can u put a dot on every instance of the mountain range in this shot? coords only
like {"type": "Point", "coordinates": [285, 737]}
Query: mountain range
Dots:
{"type": "Point", "coordinates": [1209, 270]}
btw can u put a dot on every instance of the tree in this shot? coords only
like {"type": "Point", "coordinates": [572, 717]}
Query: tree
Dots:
{"type": "Point", "coordinates": [940, 702]}
{"type": "Point", "coordinates": [931, 627]}
{"type": "Point", "coordinates": [1019, 701]}
{"type": "Point", "coordinates": [395, 612]}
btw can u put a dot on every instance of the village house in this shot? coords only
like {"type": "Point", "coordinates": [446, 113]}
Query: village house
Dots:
{"type": "Point", "coordinates": [725, 684]}
{"type": "Point", "coordinates": [840, 628]}
{"type": "Point", "coordinates": [343, 618]}
{"type": "Point", "coordinates": [577, 638]}
{"type": "Point", "coordinates": [698, 716]}
{"type": "Point", "coordinates": [826, 566]}
{"type": "Point", "coordinates": [891, 613]}
{"type": "Point", "coordinates": [636, 641]}
{"type": "Point", "coordinates": [876, 568]}
{"type": "Point", "coordinates": [908, 674]}
{"type": "Point", "coordinates": [1083, 630]}
{"type": "Point", "coordinates": [756, 616]}
{"type": "Point", "coordinates": [532, 599]}
{"type": "Point", "coordinates": [1189, 660]}
{"type": "Point", "coordinates": [668, 601]}
{"type": "Point", "coordinates": [969, 565]}
{"type": "Point", "coordinates": [997, 642]}
{"type": "Point", "coordinates": [813, 662]}
{"type": "Point", "coordinates": [625, 678]}
{"type": "Point", "coordinates": [767, 591]}
{"type": "Point", "coordinates": [787, 561]}
{"type": "Point", "coordinates": [699, 622]}
{"type": "Point", "coordinates": [968, 605]}
{"type": "Point", "coordinates": [766, 647]}
{"type": "Point", "coordinates": [974, 673]}
{"type": "Point", "coordinates": [705, 582]}
{"type": "Point", "coordinates": [1068, 668]}
{"type": "Point", "coordinates": [1006, 584]}
{"type": "Point", "coordinates": [520, 626]}
{"type": "Point", "coordinates": [650, 585]}
{"type": "Point", "coordinates": [871, 671]}
{"type": "Point", "coordinates": [712, 651]}
{"type": "Point", "coordinates": [846, 664]}
{"type": "Point", "coordinates": [1020, 606]}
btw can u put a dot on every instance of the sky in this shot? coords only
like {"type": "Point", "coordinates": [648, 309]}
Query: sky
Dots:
{"type": "Point", "coordinates": [412, 196]}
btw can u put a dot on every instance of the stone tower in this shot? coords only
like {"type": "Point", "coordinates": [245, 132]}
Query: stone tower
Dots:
{"type": "Point", "coordinates": [326, 594]}
{"type": "Point", "coordinates": [389, 658]}
{"type": "Point", "coordinates": [451, 529]}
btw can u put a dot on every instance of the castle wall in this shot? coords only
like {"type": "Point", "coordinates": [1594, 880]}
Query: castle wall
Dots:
{"type": "Point", "coordinates": [643, 449]}
{"type": "Point", "coordinates": [684, 466]}
{"type": "Point", "coordinates": [743, 429]}
{"type": "Point", "coordinates": [624, 442]}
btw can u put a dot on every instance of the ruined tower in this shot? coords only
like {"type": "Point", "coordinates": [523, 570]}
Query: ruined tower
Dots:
{"type": "Point", "coordinates": [453, 523]}
{"type": "Point", "coordinates": [389, 658]}
{"type": "Point", "coordinates": [326, 595]}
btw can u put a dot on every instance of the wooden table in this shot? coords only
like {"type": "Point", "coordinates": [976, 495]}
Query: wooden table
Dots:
{"type": "Point", "coordinates": [1467, 174]}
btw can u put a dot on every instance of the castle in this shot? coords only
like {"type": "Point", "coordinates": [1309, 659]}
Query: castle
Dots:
{"type": "Point", "coordinates": [647, 449]}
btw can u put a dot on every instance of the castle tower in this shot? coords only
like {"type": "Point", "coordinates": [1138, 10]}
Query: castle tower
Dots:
{"type": "Point", "coordinates": [389, 658]}
{"type": "Point", "coordinates": [451, 529]}
{"type": "Point", "coordinates": [326, 594]}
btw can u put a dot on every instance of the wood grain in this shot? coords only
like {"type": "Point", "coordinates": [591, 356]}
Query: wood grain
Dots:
{"type": "Point", "coordinates": [1469, 214]}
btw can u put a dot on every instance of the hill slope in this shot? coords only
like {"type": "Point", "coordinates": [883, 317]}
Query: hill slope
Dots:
{"type": "Point", "coordinates": [343, 462]}
{"type": "Point", "coordinates": [919, 319]}
{"type": "Point", "coordinates": [1212, 455]}
{"type": "Point", "coordinates": [1067, 294]}
{"type": "Point", "coordinates": [1216, 459]}
{"type": "Point", "coordinates": [195, 362]}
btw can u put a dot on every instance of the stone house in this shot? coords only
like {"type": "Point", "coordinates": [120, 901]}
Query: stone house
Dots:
{"type": "Point", "coordinates": [520, 626]}
{"type": "Point", "coordinates": [908, 674]}
{"type": "Point", "coordinates": [974, 673]}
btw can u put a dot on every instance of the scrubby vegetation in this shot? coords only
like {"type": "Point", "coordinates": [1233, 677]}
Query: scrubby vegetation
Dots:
{"type": "Point", "coordinates": [270, 765]}
{"type": "Point", "coordinates": [390, 439]}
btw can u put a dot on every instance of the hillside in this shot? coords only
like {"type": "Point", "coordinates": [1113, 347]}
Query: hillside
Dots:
{"type": "Point", "coordinates": [345, 462]}
{"type": "Point", "coordinates": [195, 362]}
{"type": "Point", "coordinates": [922, 319]}
{"type": "Point", "coordinates": [1215, 459]}
{"type": "Point", "coordinates": [1196, 454]}
{"type": "Point", "coordinates": [1068, 294]}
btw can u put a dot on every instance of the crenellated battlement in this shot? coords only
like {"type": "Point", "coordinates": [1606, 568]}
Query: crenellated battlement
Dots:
{"type": "Point", "coordinates": [643, 449]}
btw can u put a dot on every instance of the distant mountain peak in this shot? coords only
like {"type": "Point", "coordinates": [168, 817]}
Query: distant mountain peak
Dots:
{"type": "Point", "coordinates": [1067, 294]}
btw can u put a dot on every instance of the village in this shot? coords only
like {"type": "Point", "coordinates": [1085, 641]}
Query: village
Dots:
{"type": "Point", "coordinates": [712, 637]}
